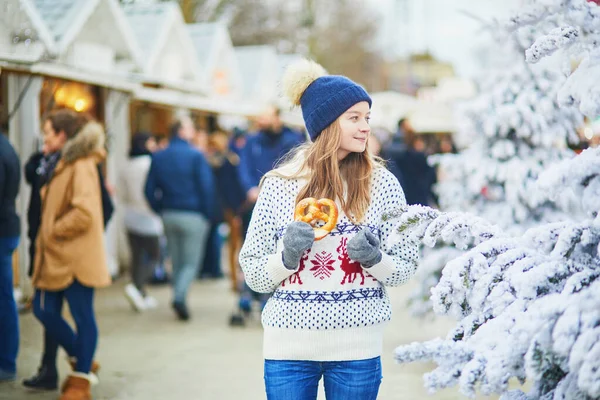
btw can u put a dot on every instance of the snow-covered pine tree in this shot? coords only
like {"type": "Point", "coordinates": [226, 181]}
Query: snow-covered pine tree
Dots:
{"type": "Point", "coordinates": [528, 307]}
{"type": "Point", "coordinates": [571, 28]}
{"type": "Point", "coordinates": [515, 129]}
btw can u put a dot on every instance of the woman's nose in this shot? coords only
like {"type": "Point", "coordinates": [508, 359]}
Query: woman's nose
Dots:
{"type": "Point", "coordinates": [364, 126]}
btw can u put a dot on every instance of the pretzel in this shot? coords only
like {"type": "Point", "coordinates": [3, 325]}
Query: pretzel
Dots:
{"type": "Point", "coordinates": [311, 210]}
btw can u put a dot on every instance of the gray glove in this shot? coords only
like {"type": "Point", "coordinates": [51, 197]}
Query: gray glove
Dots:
{"type": "Point", "coordinates": [299, 237]}
{"type": "Point", "coordinates": [364, 248]}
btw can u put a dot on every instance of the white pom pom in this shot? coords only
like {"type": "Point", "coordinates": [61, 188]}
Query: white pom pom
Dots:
{"type": "Point", "coordinates": [298, 76]}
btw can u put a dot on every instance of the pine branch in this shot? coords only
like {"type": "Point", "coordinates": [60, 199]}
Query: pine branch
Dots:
{"type": "Point", "coordinates": [429, 225]}
{"type": "Point", "coordinates": [559, 38]}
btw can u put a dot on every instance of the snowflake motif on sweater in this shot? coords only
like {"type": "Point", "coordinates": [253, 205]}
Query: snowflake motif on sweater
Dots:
{"type": "Point", "coordinates": [328, 293]}
{"type": "Point", "coordinates": [322, 265]}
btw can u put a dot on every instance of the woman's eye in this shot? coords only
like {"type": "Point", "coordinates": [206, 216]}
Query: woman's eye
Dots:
{"type": "Point", "coordinates": [368, 119]}
{"type": "Point", "coordinates": [355, 118]}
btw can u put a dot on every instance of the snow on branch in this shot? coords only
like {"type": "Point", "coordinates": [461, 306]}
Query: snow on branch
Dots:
{"type": "Point", "coordinates": [429, 226]}
{"type": "Point", "coordinates": [546, 45]}
{"type": "Point", "coordinates": [579, 175]}
{"type": "Point", "coordinates": [573, 26]}
{"type": "Point", "coordinates": [527, 16]}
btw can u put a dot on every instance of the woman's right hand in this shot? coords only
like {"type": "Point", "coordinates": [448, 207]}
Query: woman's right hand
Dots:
{"type": "Point", "coordinates": [299, 237]}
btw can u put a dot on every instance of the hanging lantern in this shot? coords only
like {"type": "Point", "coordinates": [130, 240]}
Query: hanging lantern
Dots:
{"type": "Point", "coordinates": [74, 95]}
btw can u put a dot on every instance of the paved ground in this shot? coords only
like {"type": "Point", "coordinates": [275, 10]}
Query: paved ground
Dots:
{"type": "Point", "coordinates": [152, 356]}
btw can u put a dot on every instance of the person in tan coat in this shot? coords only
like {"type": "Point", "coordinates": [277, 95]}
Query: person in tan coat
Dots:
{"type": "Point", "coordinates": [70, 261]}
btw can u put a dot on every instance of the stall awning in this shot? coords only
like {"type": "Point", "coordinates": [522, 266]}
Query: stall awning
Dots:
{"type": "Point", "coordinates": [196, 102]}
{"type": "Point", "coordinates": [112, 81]}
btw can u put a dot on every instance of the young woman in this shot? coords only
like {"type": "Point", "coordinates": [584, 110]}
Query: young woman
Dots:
{"type": "Point", "coordinates": [70, 260]}
{"type": "Point", "coordinates": [329, 304]}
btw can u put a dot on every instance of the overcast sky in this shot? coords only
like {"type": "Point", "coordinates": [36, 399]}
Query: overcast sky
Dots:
{"type": "Point", "coordinates": [440, 27]}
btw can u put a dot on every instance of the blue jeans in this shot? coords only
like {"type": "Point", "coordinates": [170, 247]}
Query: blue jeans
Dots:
{"type": "Point", "coordinates": [343, 380]}
{"type": "Point", "coordinates": [187, 234]}
{"type": "Point", "coordinates": [47, 307]}
{"type": "Point", "coordinates": [9, 319]}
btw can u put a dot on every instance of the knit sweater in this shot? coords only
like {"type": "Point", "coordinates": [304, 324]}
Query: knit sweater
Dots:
{"type": "Point", "coordinates": [330, 308]}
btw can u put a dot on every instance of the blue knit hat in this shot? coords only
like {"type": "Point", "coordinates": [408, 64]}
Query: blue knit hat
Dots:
{"type": "Point", "coordinates": [323, 98]}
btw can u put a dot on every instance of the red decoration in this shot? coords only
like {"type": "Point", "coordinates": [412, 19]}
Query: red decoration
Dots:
{"type": "Point", "coordinates": [322, 265]}
{"type": "Point", "coordinates": [295, 278]}
{"type": "Point", "coordinates": [351, 268]}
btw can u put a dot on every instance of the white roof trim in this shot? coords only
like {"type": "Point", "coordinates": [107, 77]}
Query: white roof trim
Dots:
{"type": "Point", "coordinates": [132, 44]}
{"type": "Point", "coordinates": [182, 86]}
{"type": "Point", "coordinates": [219, 39]}
{"type": "Point", "coordinates": [222, 39]}
{"type": "Point", "coordinates": [94, 78]}
{"type": "Point", "coordinates": [77, 24]}
{"type": "Point", "coordinates": [211, 61]}
{"type": "Point", "coordinates": [40, 26]}
{"type": "Point", "coordinates": [195, 102]}
{"type": "Point", "coordinates": [160, 42]}
{"type": "Point", "coordinates": [174, 22]}
{"type": "Point", "coordinates": [85, 14]}
{"type": "Point", "coordinates": [190, 53]}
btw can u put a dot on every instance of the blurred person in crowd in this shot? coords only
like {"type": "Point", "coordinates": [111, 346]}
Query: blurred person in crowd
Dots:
{"type": "Point", "coordinates": [238, 141]}
{"type": "Point", "coordinates": [180, 187]}
{"type": "Point", "coordinates": [231, 198]}
{"type": "Point", "coordinates": [262, 151]}
{"type": "Point", "coordinates": [408, 162]}
{"type": "Point", "coordinates": [200, 141]}
{"type": "Point", "coordinates": [162, 142]}
{"type": "Point", "coordinates": [70, 256]}
{"type": "Point", "coordinates": [405, 130]}
{"type": "Point", "coordinates": [38, 171]}
{"type": "Point", "coordinates": [10, 177]}
{"type": "Point", "coordinates": [419, 145]}
{"type": "Point", "coordinates": [144, 227]}
{"type": "Point", "coordinates": [210, 265]}
{"type": "Point", "coordinates": [447, 145]}
{"type": "Point", "coordinates": [160, 275]}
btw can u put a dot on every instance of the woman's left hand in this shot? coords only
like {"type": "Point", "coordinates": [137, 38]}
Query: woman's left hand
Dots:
{"type": "Point", "coordinates": [364, 248]}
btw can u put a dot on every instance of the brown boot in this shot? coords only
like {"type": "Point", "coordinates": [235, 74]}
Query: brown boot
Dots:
{"type": "Point", "coordinates": [76, 387]}
{"type": "Point", "coordinates": [92, 377]}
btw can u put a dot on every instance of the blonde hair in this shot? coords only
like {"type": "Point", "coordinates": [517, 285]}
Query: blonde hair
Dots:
{"type": "Point", "coordinates": [347, 180]}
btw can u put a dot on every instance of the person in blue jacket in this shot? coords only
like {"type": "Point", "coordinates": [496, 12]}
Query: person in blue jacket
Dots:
{"type": "Point", "coordinates": [179, 187]}
{"type": "Point", "coordinates": [262, 152]}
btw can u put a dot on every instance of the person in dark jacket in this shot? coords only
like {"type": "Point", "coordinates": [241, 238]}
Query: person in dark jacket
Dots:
{"type": "Point", "coordinates": [410, 166]}
{"type": "Point", "coordinates": [10, 177]}
{"type": "Point", "coordinates": [179, 188]}
{"type": "Point", "coordinates": [262, 152]}
{"type": "Point", "coordinates": [38, 170]}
